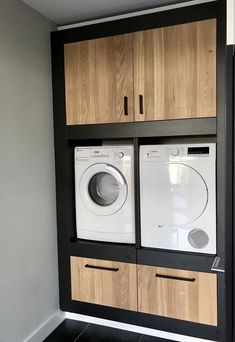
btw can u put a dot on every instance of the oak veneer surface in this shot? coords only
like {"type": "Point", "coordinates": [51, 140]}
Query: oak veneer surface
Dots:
{"type": "Point", "coordinates": [175, 71]}
{"type": "Point", "coordinates": [104, 287]}
{"type": "Point", "coordinates": [98, 74]}
{"type": "Point", "coordinates": [194, 301]}
{"type": "Point", "coordinates": [173, 68]}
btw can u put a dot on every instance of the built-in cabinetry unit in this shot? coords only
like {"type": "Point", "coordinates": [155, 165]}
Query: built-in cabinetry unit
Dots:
{"type": "Point", "coordinates": [158, 74]}
{"type": "Point", "coordinates": [160, 78]}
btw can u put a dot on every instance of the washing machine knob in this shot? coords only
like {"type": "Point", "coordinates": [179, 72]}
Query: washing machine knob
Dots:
{"type": "Point", "coordinates": [120, 154]}
{"type": "Point", "coordinates": [175, 152]}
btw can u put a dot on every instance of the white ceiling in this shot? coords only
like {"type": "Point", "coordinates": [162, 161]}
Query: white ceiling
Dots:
{"type": "Point", "coordinates": [64, 12]}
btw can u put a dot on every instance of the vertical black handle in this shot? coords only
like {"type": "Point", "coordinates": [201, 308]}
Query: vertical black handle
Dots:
{"type": "Point", "coordinates": [125, 105]}
{"type": "Point", "coordinates": [141, 104]}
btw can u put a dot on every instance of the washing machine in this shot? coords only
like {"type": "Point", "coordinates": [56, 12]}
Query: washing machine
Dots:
{"type": "Point", "coordinates": [178, 197]}
{"type": "Point", "coordinates": [104, 192]}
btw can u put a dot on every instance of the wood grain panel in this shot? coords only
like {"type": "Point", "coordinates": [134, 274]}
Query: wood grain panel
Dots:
{"type": "Point", "coordinates": [123, 46]}
{"type": "Point", "coordinates": [103, 286]}
{"type": "Point", "coordinates": [181, 297]}
{"type": "Point", "coordinates": [175, 71]}
{"type": "Point", "coordinates": [180, 70]}
{"type": "Point", "coordinates": [98, 74]}
{"type": "Point", "coordinates": [206, 68]}
{"type": "Point", "coordinates": [148, 56]}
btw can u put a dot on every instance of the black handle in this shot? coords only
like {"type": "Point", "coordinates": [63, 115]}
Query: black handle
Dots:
{"type": "Point", "coordinates": [192, 280]}
{"type": "Point", "coordinates": [125, 105]}
{"type": "Point", "coordinates": [141, 104]}
{"type": "Point", "coordinates": [112, 269]}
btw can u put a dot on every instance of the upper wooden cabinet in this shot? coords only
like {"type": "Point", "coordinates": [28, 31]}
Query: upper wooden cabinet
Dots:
{"type": "Point", "coordinates": [164, 73]}
{"type": "Point", "coordinates": [99, 80]}
{"type": "Point", "coordinates": [175, 71]}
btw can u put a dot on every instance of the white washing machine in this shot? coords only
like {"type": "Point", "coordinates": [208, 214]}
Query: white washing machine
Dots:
{"type": "Point", "coordinates": [104, 189]}
{"type": "Point", "coordinates": [178, 197]}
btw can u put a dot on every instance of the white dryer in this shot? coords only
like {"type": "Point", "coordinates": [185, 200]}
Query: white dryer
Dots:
{"type": "Point", "coordinates": [178, 197]}
{"type": "Point", "coordinates": [104, 191]}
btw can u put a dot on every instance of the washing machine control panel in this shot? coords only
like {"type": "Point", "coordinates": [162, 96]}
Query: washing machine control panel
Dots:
{"type": "Point", "coordinates": [103, 154]}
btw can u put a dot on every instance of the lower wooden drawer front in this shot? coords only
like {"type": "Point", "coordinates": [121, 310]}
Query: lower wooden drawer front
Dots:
{"type": "Point", "coordinates": [104, 282]}
{"type": "Point", "coordinates": [186, 295]}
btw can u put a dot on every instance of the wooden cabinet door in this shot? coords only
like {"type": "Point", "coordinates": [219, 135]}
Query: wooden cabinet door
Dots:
{"type": "Point", "coordinates": [175, 71]}
{"type": "Point", "coordinates": [99, 80]}
{"type": "Point", "coordinates": [104, 282]}
{"type": "Point", "coordinates": [186, 295]}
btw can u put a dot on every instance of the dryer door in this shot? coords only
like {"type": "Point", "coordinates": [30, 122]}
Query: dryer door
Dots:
{"type": "Point", "coordinates": [173, 194]}
{"type": "Point", "coordinates": [103, 189]}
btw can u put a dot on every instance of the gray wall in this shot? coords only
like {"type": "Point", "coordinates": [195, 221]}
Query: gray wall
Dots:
{"type": "Point", "coordinates": [28, 256]}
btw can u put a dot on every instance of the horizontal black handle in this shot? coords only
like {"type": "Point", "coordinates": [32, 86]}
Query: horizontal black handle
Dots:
{"type": "Point", "coordinates": [112, 269]}
{"type": "Point", "coordinates": [175, 278]}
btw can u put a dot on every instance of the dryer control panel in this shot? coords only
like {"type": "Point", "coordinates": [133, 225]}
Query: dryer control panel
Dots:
{"type": "Point", "coordinates": [180, 152]}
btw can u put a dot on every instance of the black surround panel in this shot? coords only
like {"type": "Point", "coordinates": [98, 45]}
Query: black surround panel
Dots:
{"type": "Point", "coordinates": [219, 130]}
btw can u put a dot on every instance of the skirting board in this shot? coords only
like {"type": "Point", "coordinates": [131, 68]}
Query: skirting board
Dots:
{"type": "Point", "coordinates": [46, 328]}
{"type": "Point", "coordinates": [134, 328]}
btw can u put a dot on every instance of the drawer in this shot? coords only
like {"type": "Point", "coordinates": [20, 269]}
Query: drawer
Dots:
{"type": "Point", "coordinates": [104, 282]}
{"type": "Point", "coordinates": [179, 294]}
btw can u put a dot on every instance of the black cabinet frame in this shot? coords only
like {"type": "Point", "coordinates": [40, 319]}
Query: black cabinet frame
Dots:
{"type": "Point", "coordinates": [218, 129]}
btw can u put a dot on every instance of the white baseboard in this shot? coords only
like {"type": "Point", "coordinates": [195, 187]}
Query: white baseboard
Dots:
{"type": "Point", "coordinates": [134, 328]}
{"type": "Point", "coordinates": [46, 327]}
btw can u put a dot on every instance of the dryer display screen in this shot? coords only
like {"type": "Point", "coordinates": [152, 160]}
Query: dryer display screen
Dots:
{"type": "Point", "coordinates": [198, 150]}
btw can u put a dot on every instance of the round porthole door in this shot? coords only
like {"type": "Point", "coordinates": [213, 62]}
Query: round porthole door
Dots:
{"type": "Point", "coordinates": [180, 194]}
{"type": "Point", "coordinates": [103, 189]}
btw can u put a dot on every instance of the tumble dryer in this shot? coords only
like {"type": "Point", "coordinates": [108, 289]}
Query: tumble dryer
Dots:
{"type": "Point", "coordinates": [104, 191]}
{"type": "Point", "coordinates": [178, 197]}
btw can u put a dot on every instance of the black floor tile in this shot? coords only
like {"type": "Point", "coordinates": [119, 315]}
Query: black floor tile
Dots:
{"type": "Point", "coordinates": [67, 331]}
{"type": "Point", "coordinates": [146, 338]}
{"type": "Point", "coordinates": [98, 333]}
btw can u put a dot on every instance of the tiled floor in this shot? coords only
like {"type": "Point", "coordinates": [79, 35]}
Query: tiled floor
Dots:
{"type": "Point", "coordinates": [73, 331]}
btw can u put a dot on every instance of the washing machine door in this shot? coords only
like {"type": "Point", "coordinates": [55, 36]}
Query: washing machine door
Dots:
{"type": "Point", "coordinates": [103, 189]}
{"type": "Point", "coordinates": [176, 194]}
